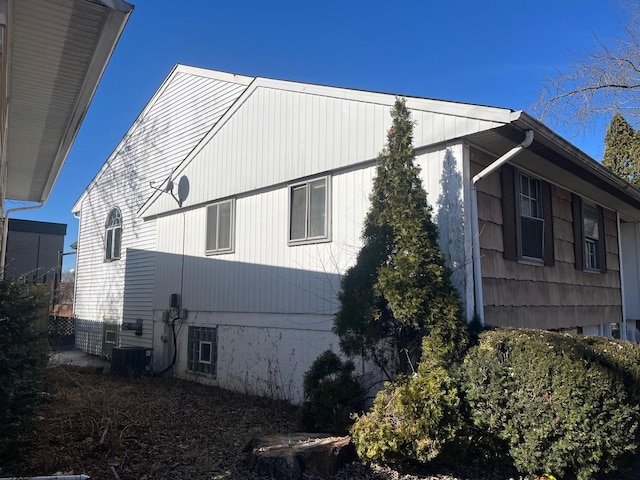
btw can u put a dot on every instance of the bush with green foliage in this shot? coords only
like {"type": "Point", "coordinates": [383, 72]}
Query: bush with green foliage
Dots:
{"type": "Point", "coordinates": [332, 394]}
{"type": "Point", "coordinates": [417, 418]}
{"type": "Point", "coordinates": [556, 403]}
{"type": "Point", "coordinates": [23, 357]}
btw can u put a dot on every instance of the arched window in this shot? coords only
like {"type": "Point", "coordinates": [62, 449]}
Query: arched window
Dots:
{"type": "Point", "coordinates": [113, 236]}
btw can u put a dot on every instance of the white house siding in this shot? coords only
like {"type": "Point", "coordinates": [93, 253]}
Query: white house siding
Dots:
{"type": "Point", "coordinates": [166, 131]}
{"type": "Point", "coordinates": [277, 135]}
{"type": "Point", "coordinates": [273, 304]}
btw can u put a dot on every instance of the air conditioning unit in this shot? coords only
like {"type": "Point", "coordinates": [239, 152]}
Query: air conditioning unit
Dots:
{"type": "Point", "coordinates": [127, 361]}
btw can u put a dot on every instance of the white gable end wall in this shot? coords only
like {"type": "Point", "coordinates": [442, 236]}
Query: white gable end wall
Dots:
{"type": "Point", "coordinates": [276, 135]}
{"type": "Point", "coordinates": [167, 130]}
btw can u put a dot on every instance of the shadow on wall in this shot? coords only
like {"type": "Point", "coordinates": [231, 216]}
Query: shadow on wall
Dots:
{"type": "Point", "coordinates": [271, 322]}
{"type": "Point", "coordinates": [450, 219]}
{"type": "Point", "coordinates": [214, 284]}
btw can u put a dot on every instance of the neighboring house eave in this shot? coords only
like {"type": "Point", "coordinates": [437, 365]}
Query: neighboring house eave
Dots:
{"type": "Point", "coordinates": [58, 53]}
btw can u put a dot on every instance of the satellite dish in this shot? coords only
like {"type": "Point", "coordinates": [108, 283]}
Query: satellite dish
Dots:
{"type": "Point", "coordinates": [183, 189]}
{"type": "Point", "coordinates": [169, 187]}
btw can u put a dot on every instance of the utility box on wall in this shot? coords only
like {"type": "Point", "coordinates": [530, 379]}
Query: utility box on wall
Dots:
{"type": "Point", "coordinates": [130, 360]}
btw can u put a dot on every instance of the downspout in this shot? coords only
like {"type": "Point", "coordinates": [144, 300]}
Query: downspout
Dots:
{"type": "Point", "coordinates": [477, 273]}
{"type": "Point", "coordinates": [623, 326]}
{"type": "Point", "coordinates": [5, 232]}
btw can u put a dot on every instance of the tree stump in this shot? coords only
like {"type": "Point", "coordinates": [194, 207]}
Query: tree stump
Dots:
{"type": "Point", "coordinates": [290, 456]}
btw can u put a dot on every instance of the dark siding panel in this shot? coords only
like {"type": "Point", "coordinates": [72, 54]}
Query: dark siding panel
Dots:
{"type": "Point", "coordinates": [509, 229]}
{"type": "Point", "coordinates": [578, 247]}
{"type": "Point", "coordinates": [602, 241]}
{"type": "Point", "coordinates": [547, 214]}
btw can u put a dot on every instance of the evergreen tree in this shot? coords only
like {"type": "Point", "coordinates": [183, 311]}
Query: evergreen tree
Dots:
{"type": "Point", "coordinates": [399, 290]}
{"type": "Point", "coordinates": [622, 150]}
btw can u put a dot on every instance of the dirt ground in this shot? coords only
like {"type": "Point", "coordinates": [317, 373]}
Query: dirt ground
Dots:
{"type": "Point", "coordinates": [146, 428]}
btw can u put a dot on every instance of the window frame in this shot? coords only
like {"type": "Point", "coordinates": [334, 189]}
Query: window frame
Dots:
{"type": "Point", "coordinates": [539, 214]}
{"type": "Point", "coordinates": [307, 238]}
{"type": "Point", "coordinates": [510, 232]}
{"type": "Point", "coordinates": [232, 217]}
{"type": "Point", "coordinates": [580, 239]}
{"type": "Point", "coordinates": [113, 230]}
{"type": "Point", "coordinates": [590, 241]}
{"type": "Point", "coordinates": [196, 337]}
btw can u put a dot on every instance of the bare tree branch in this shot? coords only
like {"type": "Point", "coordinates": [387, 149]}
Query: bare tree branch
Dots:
{"type": "Point", "coordinates": [598, 83]}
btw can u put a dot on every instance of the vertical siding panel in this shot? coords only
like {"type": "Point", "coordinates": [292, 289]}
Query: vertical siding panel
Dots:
{"type": "Point", "coordinates": [322, 133]}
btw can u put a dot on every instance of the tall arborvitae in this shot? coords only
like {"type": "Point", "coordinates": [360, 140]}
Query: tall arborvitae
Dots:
{"type": "Point", "coordinates": [622, 150]}
{"type": "Point", "coordinates": [399, 290]}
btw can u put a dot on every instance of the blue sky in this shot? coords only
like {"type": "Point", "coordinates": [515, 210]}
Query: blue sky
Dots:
{"type": "Point", "coordinates": [492, 53]}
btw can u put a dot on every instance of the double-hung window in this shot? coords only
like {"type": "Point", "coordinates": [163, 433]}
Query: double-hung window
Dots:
{"type": "Point", "coordinates": [591, 237]}
{"type": "Point", "coordinates": [530, 219]}
{"type": "Point", "coordinates": [113, 236]}
{"type": "Point", "coordinates": [309, 211]}
{"type": "Point", "coordinates": [588, 235]}
{"type": "Point", "coordinates": [527, 222]}
{"type": "Point", "coordinates": [220, 228]}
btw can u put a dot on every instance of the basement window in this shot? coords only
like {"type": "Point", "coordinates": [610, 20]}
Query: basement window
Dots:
{"type": "Point", "coordinates": [202, 351]}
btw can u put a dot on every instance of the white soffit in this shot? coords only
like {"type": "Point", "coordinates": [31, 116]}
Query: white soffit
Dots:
{"type": "Point", "coordinates": [58, 52]}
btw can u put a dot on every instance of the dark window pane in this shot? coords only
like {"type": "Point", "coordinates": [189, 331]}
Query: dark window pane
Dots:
{"type": "Point", "coordinates": [590, 222]}
{"type": "Point", "coordinates": [224, 226]}
{"type": "Point", "coordinates": [532, 237]}
{"type": "Point", "coordinates": [205, 352]}
{"type": "Point", "coordinates": [117, 237]}
{"type": "Point", "coordinates": [524, 185]}
{"type": "Point", "coordinates": [107, 248]}
{"type": "Point", "coordinates": [212, 228]}
{"type": "Point", "coordinates": [298, 213]}
{"type": "Point", "coordinates": [317, 209]}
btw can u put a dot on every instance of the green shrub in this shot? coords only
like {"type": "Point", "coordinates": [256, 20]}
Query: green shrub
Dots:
{"type": "Point", "coordinates": [23, 357]}
{"type": "Point", "coordinates": [417, 418]}
{"type": "Point", "coordinates": [622, 357]}
{"type": "Point", "coordinates": [560, 404]}
{"type": "Point", "coordinates": [331, 395]}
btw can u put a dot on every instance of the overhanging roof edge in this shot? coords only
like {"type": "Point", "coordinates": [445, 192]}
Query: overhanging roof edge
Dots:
{"type": "Point", "coordinates": [575, 155]}
{"type": "Point", "coordinates": [114, 26]}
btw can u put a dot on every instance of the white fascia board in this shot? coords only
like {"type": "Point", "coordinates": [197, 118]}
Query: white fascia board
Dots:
{"type": "Point", "coordinates": [480, 112]}
{"type": "Point", "coordinates": [214, 74]}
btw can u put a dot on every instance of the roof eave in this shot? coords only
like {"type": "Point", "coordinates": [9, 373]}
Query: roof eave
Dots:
{"type": "Point", "coordinates": [53, 73]}
{"type": "Point", "coordinates": [116, 21]}
{"type": "Point", "coordinates": [574, 154]}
